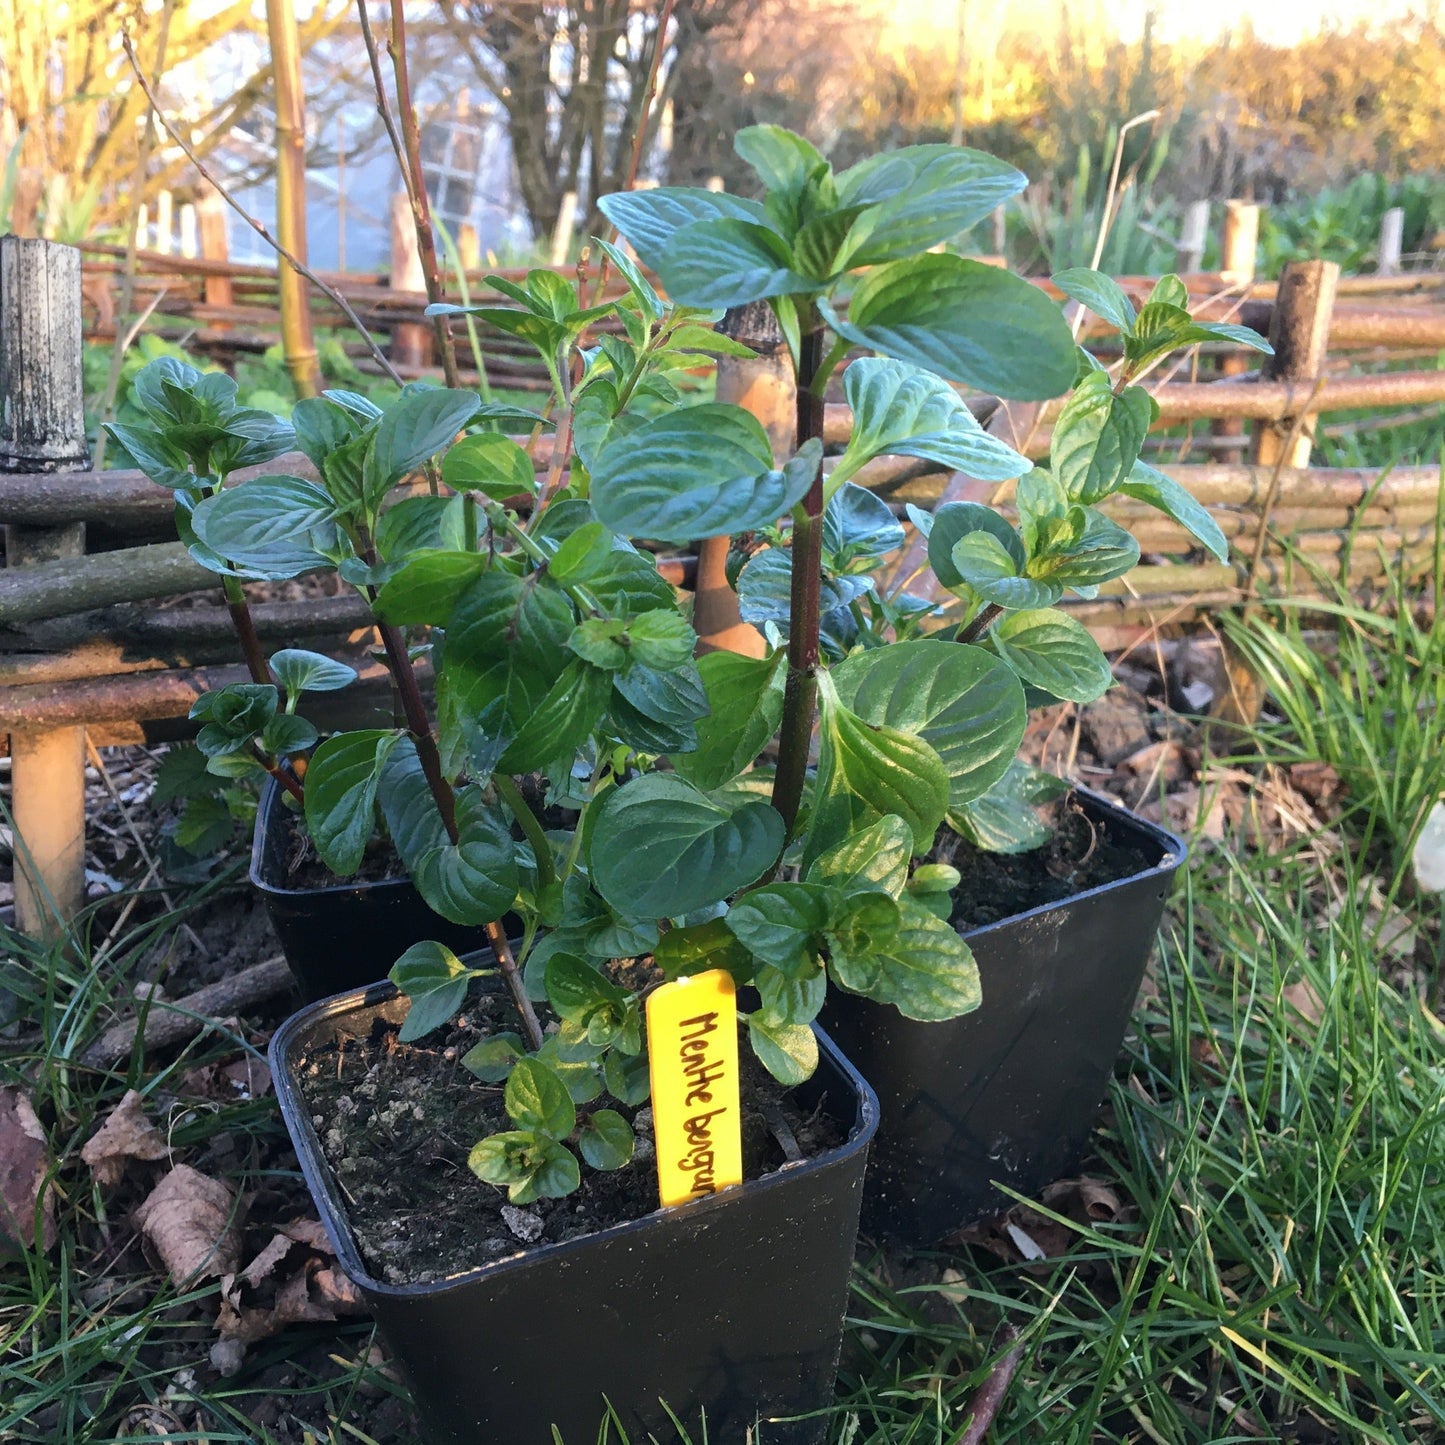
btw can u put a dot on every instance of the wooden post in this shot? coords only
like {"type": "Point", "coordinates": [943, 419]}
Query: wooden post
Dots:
{"type": "Point", "coordinates": [1238, 245]}
{"type": "Point", "coordinates": [163, 223]}
{"type": "Point", "coordinates": [410, 340]}
{"type": "Point", "coordinates": [562, 231]}
{"type": "Point", "coordinates": [142, 227]}
{"type": "Point", "coordinates": [1193, 236]}
{"type": "Point", "coordinates": [297, 340]}
{"type": "Point", "coordinates": [469, 247]}
{"type": "Point", "coordinates": [715, 183]}
{"type": "Point", "coordinates": [215, 241]}
{"type": "Point", "coordinates": [187, 227]}
{"type": "Point", "coordinates": [1392, 239]}
{"type": "Point", "coordinates": [42, 429]}
{"type": "Point", "coordinates": [764, 386]}
{"type": "Point", "coordinates": [1300, 334]}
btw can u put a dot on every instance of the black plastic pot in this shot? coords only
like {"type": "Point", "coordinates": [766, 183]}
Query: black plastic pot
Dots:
{"type": "Point", "coordinates": [730, 1308]}
{"type": "Point", "coordinates": [1008, 1094]}
{"type": "Point", "coordinates": [346, 935]}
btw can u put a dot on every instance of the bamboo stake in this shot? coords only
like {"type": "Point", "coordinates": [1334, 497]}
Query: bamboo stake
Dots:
{"type": "Point", "coordinates": [297, 340]}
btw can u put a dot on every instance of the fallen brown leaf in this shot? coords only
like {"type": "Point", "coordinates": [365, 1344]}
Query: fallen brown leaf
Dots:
{"type": "Point", "coordinates": [292, 1280]}
{"type": "Point", "coordinates": [245, 1078]}
{"type": "Point", "coordinates": [190, 1220]}
{"type": "Point", "coordinates": [25, 1187]}
{"type": "Point", "coordinates": [126, 1134]}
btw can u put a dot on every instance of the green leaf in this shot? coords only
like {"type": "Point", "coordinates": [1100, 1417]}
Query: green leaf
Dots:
{"type": "Point", "coordinates": [728, 262]}
{"type": "Point", "coordinates": [321, 426]}
{"type": "Point", "coordinates": [537, 1099]}
{"type": "Point", "coordinates": [792, 1000]}
{"type": "Point", "coordinates": [922, 196]}
{"type": "Point", "coordinates": [561, 722]}
{"type": "Point", "coordinates": [605, 1140]}
{"type": "Point", "coordinates": [699, 947]}
{"type": "Point", "coordinates": [1002, 820]}
{"type": "Point", "coordinates": [182, 774]}
{"type": "Point", "coordinates": [491, 464]}
{"type": "Point", "coordinates": [859, 529]}
{"type": "Point", "coordinates": [1146, 484]}
{"type": "Point", "coordinates": [244, 521]}
{"type": "Point", "coordinates": [789, 1052]}
{"type": "Point", "coordinates": [1053, 651]}
{"type": "Point", "coordinates": [745, 698]}
{"type": "Point", "coordinates": [874, 859]}
{"type": "Point", "coordinates": [300, 671]}
{"type": "Point", "coordinates": [412, 430]}
{"type": "Point", "coordinates": [165, 464]}
{"type": "Point", "coordinates": [577, 990]}
{"type": "Point", "coordinates": [780, 924]}
{"type": "Point", "coordinates": [964, 320]}
{"type": "Point", "coordinates": [925, 970]}
{"type": "Point", "coordinates": [1101, 294]}
{"type": "Point", "coordinates": [286, 734]}
{"type": "Point", "coordinates": [581, 555]}
{"type": "Point", "coordinates": [597, 640]}
{"type": "Point", "coordinates": [661, 848]}
{"type": "Point", "coordinates": [650, 219]}
{"type": "Point", "coordinates": [435, 980]}
{"type": "Point", "coordinates": [994, 573]}
{"type": "Point", "coordinates": [783, 159]}
{"type": "Point", "coordinates": [675, 698]}
{"type": "Point", "coordinates": [626, 1077]}
{"type": "Point", "coordinates": [641, 288]}
{"type": "Point", "coordinates": [1105, 550]}
{"type": "Point", "coordinates": [428, 587]}
{"type": "Point", "coordinates": [955, 520]}
{"type": "Point", "coordinates": [903, 410]}
{"type": "Point", "coordinates": [341, 783]}
{"type": "Point", "coordinates": [492, 1058]}
{"type": "Point", "coordinates": [697, 472]}
{"type": "Point", "coordinates": [693, 336]}
{"type": "Point", "coordinates": [661, 639]}
{"type": "Point", "coordinates": [1169, 291]}
{"type": "Point", "coordinates": [866, 772]}
{"type": "Point", "coordinates": [1050, 522]}
{"type": "Point", "coordinates": [475, 879]}
{"type": "Point", "coordinates": [531, 1165]}
{"type": "Point", "coordinates": [961, 701]}
{"type": "Point", "coordinates": [205, 825]}
{"type": "Point", "coordinates": [1098, 436]}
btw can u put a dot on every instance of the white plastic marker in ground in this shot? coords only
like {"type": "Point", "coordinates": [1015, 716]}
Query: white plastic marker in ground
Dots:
{"type": "Point", "coordinates": [692, 1053]}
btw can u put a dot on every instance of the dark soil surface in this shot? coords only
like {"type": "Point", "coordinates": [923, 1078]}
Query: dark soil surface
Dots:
{"type": "Point", "coordinates": [397, 1122]}
{"type": "Point", "coordinates": [1081, 855]}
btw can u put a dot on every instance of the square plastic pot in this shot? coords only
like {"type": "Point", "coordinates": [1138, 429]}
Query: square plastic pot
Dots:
{"type": "Point", "coordinates": [1009, 1093]}
{"type": "Point", "coordinates": [730, 1308]}
{"type": "Point", "coordinates": [344, 935]}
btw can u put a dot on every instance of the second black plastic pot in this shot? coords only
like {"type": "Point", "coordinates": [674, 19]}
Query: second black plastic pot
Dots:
{"type": "Point", "coordinates": [729, 1310]}
{"type": "Point", "coordinates": [1009, 1093]}
{"type": "Point", "coordinates": [344, 935]}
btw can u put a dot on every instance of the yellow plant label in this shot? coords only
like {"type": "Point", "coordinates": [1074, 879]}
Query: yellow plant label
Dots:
{"type": "Point", "coordinates": [692, 1054]}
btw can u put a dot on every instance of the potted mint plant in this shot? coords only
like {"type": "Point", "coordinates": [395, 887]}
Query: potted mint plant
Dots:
{"type": "Point", "coordinates": [660, 844]}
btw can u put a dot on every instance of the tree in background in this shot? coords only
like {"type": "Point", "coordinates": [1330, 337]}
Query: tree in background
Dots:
{"type": "Point", "coordinates": [72, 120]}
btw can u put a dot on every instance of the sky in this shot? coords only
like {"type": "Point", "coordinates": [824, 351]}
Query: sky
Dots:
{"type": "Point", "coordinates": [1281, 22]}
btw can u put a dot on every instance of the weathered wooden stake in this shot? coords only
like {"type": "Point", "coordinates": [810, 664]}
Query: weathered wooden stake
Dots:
{"type": "Point", "coordinates": [163, 223]}
{"type": "Point", "coordinates": [1193, 236]}
{"type": "Point", "coordinates": [765, 387]}
{"type": "Point", "coordinates": [1392, 240]}
{"type": "Point", "coordinates": [562, 231]}
{"type": "Point", "coordinates": [410, 340]}
{"type": "Point", "coordinates": [42, 429]}
{"type": "Point", "coordinates": [1300, 335]}
{"type": "Point", "coordinates": [469, 247]}
{"type": "Point", "coordinates": [215, 238]}
{"type": "Point", "coordinates": [186, 224]}
{"type": "Point", "coordinates": [1238, 244]}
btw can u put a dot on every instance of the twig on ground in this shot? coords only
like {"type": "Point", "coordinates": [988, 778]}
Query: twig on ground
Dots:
{"type": "Point", "coordinates": [171, 1021]}
{"type": "Point", "coordinates": [991, 1393]}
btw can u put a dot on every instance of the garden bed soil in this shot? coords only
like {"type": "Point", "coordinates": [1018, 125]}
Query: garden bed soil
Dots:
{"type": "Point", "coordinates": [1081, 854]}
{"type": "Point", "coordinates": [396, 1123]}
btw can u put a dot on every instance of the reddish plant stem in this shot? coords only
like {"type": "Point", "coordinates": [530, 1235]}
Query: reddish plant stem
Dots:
{"type": "Point", "coordinates": [800, 688]}
{"type": "Point", "coordinates": [245, 626]}
{"type": "Point", "coordinates": [416, 188]}
{"type": "Point", "coordinates": [282, 776]}
{"type": "Point", "coordinates": [990, 1396]}
{"type": "Point", "coordinates": [983, 620]}
{"type": "Point", "coordinates": [399, 660]}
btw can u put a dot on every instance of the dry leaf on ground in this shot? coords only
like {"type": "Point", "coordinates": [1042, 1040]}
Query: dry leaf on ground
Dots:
{"type": "Point", "coordinates": [126, 1134]}
{"type": "Point", "coordinates": [190, 1220]}
{"type": "Point", "coordinates": [24, 1175]}
{"type": "Point", "coordinates": [245, 1078]}
{"type": "Point", "coordinates": [293, 1280]}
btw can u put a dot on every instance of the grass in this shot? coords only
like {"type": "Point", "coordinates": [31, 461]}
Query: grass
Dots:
{"type": "Point", "coordinates": [1267, 1260]}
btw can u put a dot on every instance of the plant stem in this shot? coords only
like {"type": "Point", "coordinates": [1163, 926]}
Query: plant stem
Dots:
{"type": "Point", "coordinates": [800, 689]}
{"type": "Point", "coordinates": [282, 776]}
{"type": "Point", "coordinates": [982, 621]}
{"type": "Point", "coordinates": [530, 824]}
{"type": "Point", "coordinates": [245, 626]}
{"type": "Point", "coordinates": [399, 660]}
